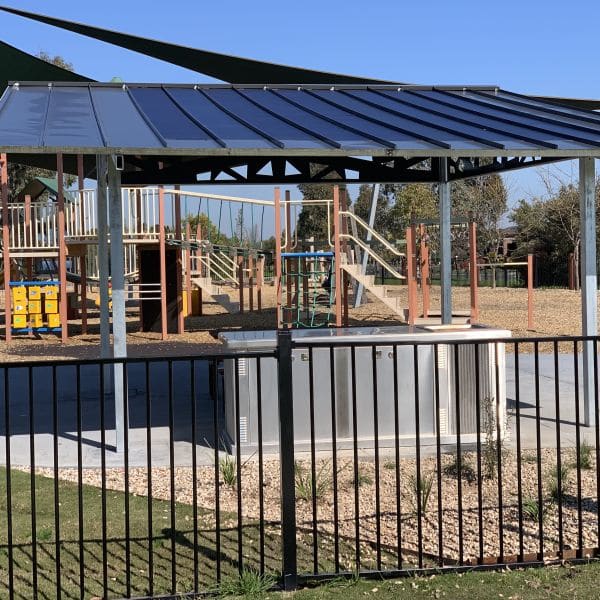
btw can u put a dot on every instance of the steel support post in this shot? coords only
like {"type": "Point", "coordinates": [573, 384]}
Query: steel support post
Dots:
{"type": "Point", "coordinates": [337, 258]}
{"type": "Point", "coordinates": [589, 325]}
{"type": "Point", "coordinates": [119, 325]}
{"type": "Point", "coordinates": [6, 245]}
{"type": "Point", "coordinates": [365, 258]}
{"type": "Point", "coordinates": [62, 251]}
{"type": "Point", "coordinates": [83, 258]}
{"type": "Point", "coordinates": [445, 245]}
{"type": "Point", "coordinates": [103, 265]}
{"type": "Point", "coordinates": [278, 282]}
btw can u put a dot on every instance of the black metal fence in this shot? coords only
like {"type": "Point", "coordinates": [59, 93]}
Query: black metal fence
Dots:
{"type": "Point", "coordinates": [301, 461]}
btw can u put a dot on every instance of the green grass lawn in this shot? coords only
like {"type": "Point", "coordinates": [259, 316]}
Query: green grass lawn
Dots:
{"type": "Point", "coordinates": [579, 581]}
{"type": "Point", "coordinates": [159, 544]}
{"type": "Point", "coordinates": [114, 548]}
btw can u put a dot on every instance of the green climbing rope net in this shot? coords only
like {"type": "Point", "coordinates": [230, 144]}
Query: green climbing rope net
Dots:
{"type": "Point", "coordinates": [309, 294]}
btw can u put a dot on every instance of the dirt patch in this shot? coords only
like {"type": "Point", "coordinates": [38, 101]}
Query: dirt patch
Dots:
{"type": "Point", "coordinates": [556, 312]}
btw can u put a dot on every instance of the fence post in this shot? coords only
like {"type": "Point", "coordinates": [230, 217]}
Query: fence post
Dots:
{"type": "Point", "coordinates": [286, 449]}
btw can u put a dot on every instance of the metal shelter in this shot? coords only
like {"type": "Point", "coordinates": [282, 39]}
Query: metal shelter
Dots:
{"type": "Point", "coordinates": [166, 134]}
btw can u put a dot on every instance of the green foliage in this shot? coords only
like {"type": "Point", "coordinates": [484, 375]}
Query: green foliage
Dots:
{"type": "Point", "coordinates": [466, 472]}
{"type": "Point", "coordinates": [493, 444]}
{"type": "Point", "coordinates": [304, 482]}
{"type": "Point", "coordinates": [585, 455]}
{"type": "Point", "coordinates": [362, 478]}
{"type": "Point", "coordinates": [485, 198]}
{"type": "Point", "coordinates": [532, 508]}
{"type": "Point", "coordinates": [208, 230]}
{"type": "Point", "coordinates": [421, 491]}
{"type": "Point", "coordinates": [559, 480]}
{"type": "Point", "coordinates": [248, 584]}
{"type": "Point", "coordinates": [312, 219]}
{"type": "Point", "coordinates": [549, 228]}
{"type": "Point", "coordinates": [228, 469]}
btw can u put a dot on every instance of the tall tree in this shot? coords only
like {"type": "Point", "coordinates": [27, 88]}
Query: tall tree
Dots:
{"type": "Point", "coordinates": [486, 198]}
{"type": "Point", "coordinates": [312, 220]}
{"type": "Point", "coordinates": [550, 228]}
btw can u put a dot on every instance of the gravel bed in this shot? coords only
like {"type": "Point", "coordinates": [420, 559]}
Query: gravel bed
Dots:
{"type": "Point", "coordinates": [460, 522]}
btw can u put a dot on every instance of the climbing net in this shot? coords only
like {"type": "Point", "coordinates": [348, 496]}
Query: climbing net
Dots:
{"type": "Point", "coordinates": [309, 294]}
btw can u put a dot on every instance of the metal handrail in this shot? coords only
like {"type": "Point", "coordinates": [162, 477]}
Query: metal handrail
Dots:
{"type": "Point", "coordinates": [226, 263]}
{"type": "Point", "coordinates": [374, 255]}
{"type": "Point", "coordinates": [216, 269]}
{"type": "Point", "coordinates": [377, 236]}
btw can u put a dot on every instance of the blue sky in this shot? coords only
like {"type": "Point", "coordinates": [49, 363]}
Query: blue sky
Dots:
{"type": "Point", "coordinates": [530, 47]}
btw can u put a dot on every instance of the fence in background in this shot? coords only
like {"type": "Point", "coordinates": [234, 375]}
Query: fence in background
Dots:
{"type": "Point", "coordinates": [392, 459]}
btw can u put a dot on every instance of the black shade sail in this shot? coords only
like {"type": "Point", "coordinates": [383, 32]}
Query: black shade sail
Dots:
{"type": "Point", "coordinates": [16, 65]}
{"type": "Point", "coordinates": [232, 69]}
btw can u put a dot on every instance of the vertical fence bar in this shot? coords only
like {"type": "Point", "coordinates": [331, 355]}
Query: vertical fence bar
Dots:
{"type": "Point", "coordinates": [286, 449]}
{"type": "Point", "coordinates": [597, 437]}
{"type": "Point", "coordinates": [519, 451]}
{"type": "Point", "coordinates": [216, 445]}
{"type": "Point", "coordinates": [499, 447]}
{"type": "Point", "coordinates": [149, 479]}
{"type": "Point", "coordinates": [357, 552]}
{"type": "Point", "coordinates": [56, 485]}
{"type": "Point", "coordinates": [9, 522]}
{"type": "Point", "coordinates": [438, 453]}
{"type": "Point", "coordinates": [419, 483]}
{"type": "Point", "coordinates": [334, 459]}
{"type": "Point", "coordinates": [458, 455]}
{"type": "Point", "coordinates": [538, 450]}
{"type": "Point", "coordinates": [32, 461]}
{"type": "Point", "coordinates": [261, 476]}
{"type": "Point", "coordinates": [578, 451]}
{"type": "Point", "coordinates": [397, 462]}
{"type": "Point", "coordinates": [376, 452]}
{"type": "Point", "coordinates": [126, 478]}
{"type": "Point", "coordinates": [238, 467]}
{"type": "Point", "coordinates": [313, 459]}
{"type": "Point", "coordinates": [103, 480]}
{"type": "Point", "coordinates": [172, 515]}
{"type": "Point", "coordinates": [80, 483]}
{"type": "Point", "coordinates": [478, 443]}
{"type": "Point", "coordinates": [558, 450]}
{"type": "Point", "coordinates": [194, 416]}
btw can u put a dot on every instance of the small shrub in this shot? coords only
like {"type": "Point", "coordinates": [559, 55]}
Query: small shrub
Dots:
{"type": "Point", "coordinates": [228, 469]}
{"type": "Point", "coordinates": [531, 509]}
{"type": "Point", "coordinates": [44, 535]}
{"type": "Point", "coordinates": [362, 478]}
{"type": "Point", "coordinates": [304, 482]}
{"type": "Point", "coordinates": [249, 584]}
{"type": "Point", "coordinates": [467, 471]}
{"type": "Point", "coordinates": [421, 491]}
{"type": "Point", "coordinates": [558, 482]}
{"type": "Point", "coordinates": [492, 444]}
{"type": "Point", "coordinates": [585, 455]}
{"type": "Point", "coordinates": [389, 464]}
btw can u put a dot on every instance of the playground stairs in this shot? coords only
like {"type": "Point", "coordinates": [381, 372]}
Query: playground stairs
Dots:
{"type": "Point", "coordinates": [397, 305]}
{"type": "Point", "coordinates": [217, 293]}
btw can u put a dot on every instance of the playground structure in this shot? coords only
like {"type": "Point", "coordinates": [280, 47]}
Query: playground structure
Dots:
{"type": "Point", "coordinates": [59, 238]}
{"type": "Point", "coordinates": [185, 267]}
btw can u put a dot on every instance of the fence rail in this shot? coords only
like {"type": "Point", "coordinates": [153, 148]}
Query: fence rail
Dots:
{"type": "Point", "coordinates": [301, 460]}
